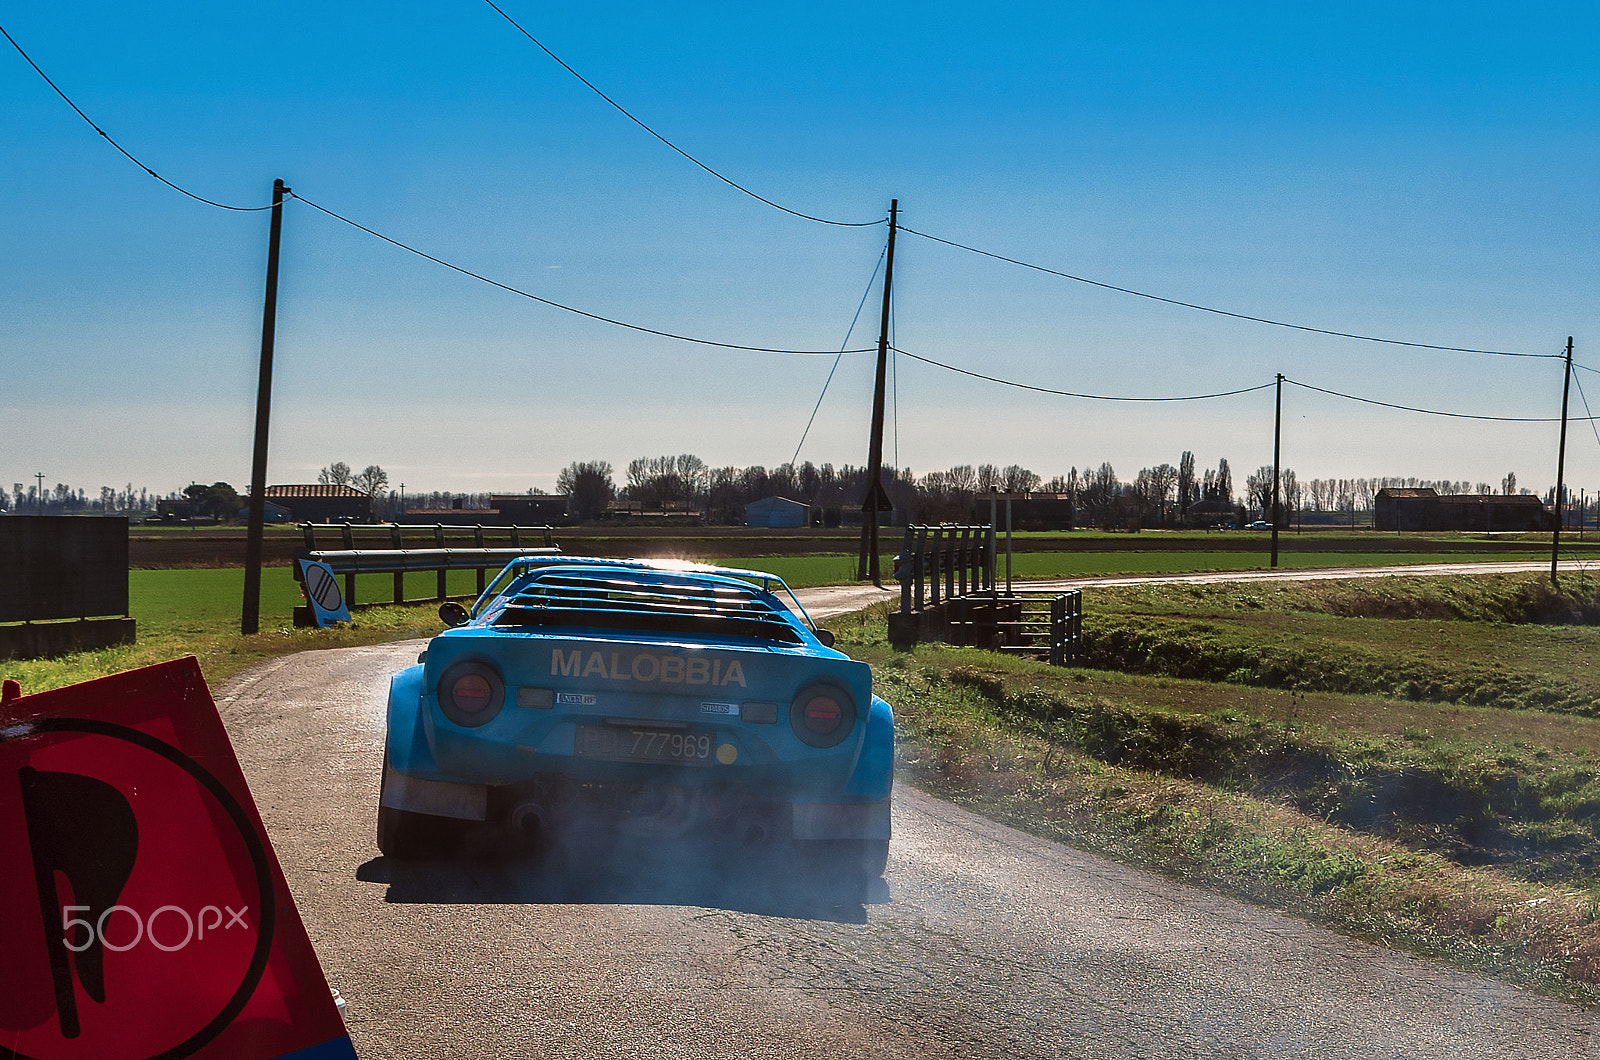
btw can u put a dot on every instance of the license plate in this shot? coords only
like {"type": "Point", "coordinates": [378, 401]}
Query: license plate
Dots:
{"type": "Point", "coordinates": [629, 743]}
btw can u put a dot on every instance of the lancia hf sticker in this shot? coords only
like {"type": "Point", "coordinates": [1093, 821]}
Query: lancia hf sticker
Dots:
{"type": "Point", "coordinates": [575, 699]}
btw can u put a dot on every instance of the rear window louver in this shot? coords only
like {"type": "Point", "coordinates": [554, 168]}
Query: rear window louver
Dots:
{"type": "Point", "coordinates": [613, 601]}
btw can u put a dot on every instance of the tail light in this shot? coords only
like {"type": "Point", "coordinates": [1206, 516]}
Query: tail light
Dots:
{"type": "Point", "coordinates": [822, 715]}
{"type": "Point", "coordinates": [471, 693]}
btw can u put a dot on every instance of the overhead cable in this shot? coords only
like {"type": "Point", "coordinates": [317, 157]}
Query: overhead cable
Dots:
{"type": "Point", "coordinates": [630, 116]}
{"type": "Point", "coordinates": [1220, 312]}
{"type": "Point", "coordinates": [848, 332]}
{"type": "Point", "coordinates": [1069, 393]}
{"type": "Point", "coordinates": [1428, 412]}
{"type": "Point", "coordinates": [1585, 398]}
{"type": "Point", "coordinates": [124, 151]}
{"type": "Point", "coordinates": [557, 305]}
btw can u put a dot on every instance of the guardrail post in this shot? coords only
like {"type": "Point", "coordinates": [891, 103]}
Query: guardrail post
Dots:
{"type": "Point", "coordinates": [516, 536]}
{"type": "Point", "coordinates": [439, 582]}
{"type": "Point", "coordinates": [399, 576]}
{"type": "Point", "coordinates": [477, 538]}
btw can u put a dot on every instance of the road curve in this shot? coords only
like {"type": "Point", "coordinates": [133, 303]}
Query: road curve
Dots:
{"type": "Point", "coordinates": [980, 942]}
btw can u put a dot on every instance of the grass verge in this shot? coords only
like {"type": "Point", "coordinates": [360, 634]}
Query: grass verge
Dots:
{"type": "Point", "coordinates": [1462, 833]}
{"type": "Point", "coordinates": [196, 612]}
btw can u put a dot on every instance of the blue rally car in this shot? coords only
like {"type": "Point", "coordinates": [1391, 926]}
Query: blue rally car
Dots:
{"type": "Point", "coordinates": [657, 698]}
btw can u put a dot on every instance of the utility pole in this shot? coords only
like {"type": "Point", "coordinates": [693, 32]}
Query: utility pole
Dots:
{"type": "Point", "coordinates": [876, 499]}
{"type": "Point", "coordinates": [250, 619]}
{"type": "Point", "coordinates": [1561, 463]}
{"type": "Point", "coordinates": [1277, 438]}
{"type": "Point", "coordinates": [40, 476]}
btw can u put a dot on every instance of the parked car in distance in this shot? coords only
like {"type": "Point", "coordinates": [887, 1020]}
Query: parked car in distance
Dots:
{"type": "Point", "coordinates": [1259, 524]}
{"type": "Point", "coordinates": [659, 699]}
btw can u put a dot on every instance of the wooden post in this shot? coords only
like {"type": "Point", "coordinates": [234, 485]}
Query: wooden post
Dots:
{"type": "Point", "coordinates": [876, 500]}
{"type": "Point", "coordinates": [1277, 438]}
{"type": "Point", "coordinates": [919, 570]}
{"type": "Point", "coordinates": [906, 572]}
{"type": "Point", "coordinates": [1561, 463]}
{"type": "Point", "coordinates": [250, 616]}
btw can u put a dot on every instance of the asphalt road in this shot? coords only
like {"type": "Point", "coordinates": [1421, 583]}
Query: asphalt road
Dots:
{"type": "Point", "coordinates": [823, 603]}
{"type": "Point", "coordinates": [979, 942]}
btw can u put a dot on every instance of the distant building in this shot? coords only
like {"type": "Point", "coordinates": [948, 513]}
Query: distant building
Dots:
{"type": "Point", "coordinates": [181, 511]}
{"type": "Point", "coordinates": [318, 503]}
{"type": "Point", "coordinates": [1426, 509]}
{"type": "Point", "coordinates": [537, 509]}
{"type": "Point", "coordinates": [777, 512]}
{"type": "Point", "coordinates": [454, 516]}
{"type": "Point", "coordinates": [1029, 511]}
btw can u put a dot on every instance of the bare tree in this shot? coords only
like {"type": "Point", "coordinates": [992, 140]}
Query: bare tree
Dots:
{"type": "Point", "coordinates": [1162, 482]}
{"type": "Point", "coordinates": [963, 479]}
{"type": "Point", "coordinates": [1100, 489]}
{"type": "Point", "coordinates": [590, 487]}
{"type": "Point", "coordinates": [336, 474]}
{"type": "Point", "coordinates": [373, 480]}
{"type": "Point", "coordinates": [1224, 484]}
{"type": "Point", "coordinates": [1018, 479]}
{"type": "Point", "coordinates": [1258, 490]}
{"type": "Point", "coordinates": [1185, 484]}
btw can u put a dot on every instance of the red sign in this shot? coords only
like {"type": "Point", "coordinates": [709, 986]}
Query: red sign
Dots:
{"type": "Point", "coordinates": [142, 910]}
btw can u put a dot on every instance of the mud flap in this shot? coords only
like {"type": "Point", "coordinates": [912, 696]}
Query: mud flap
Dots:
{"type": "Point", "coordinates": [830, 820]}
{"type": "Point", "coordinates": [440, 798]}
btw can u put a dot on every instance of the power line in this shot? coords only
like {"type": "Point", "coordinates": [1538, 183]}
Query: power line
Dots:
{"type": "Point", "coordinates": [1220, 312]}
{"type": "Point", "coordinates": [1582, 396]}
{"type": "Point", "coordinates": [630, 116]}
{"type": "Point", "coordinates": [1426, 412]}
{"type": "Point", "coordinates": [557, 305]}
{"type": "Point", "coordinates": [850, 331]}
{"type": "Point", "coordinates": [1072, 394]}
{"type": "Point", "coordinates": [894, 375]}
{"type": "Point", "coordinates": [124, 151]}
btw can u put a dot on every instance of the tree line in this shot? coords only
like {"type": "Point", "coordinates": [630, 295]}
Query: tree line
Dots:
{"type": "Point", "coordinates": [1164, 495]}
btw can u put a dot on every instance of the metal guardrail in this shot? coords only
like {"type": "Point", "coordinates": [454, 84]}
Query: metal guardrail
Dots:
{"type": "Point", "coordinates": [393, 548]}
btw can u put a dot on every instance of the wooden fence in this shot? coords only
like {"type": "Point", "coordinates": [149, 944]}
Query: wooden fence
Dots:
{"type": "Point", "coordinates": [948, 593]}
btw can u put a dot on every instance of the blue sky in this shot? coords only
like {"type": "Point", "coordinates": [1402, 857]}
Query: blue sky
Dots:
{"type": "Point", "coordinates": [1421, 172]}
